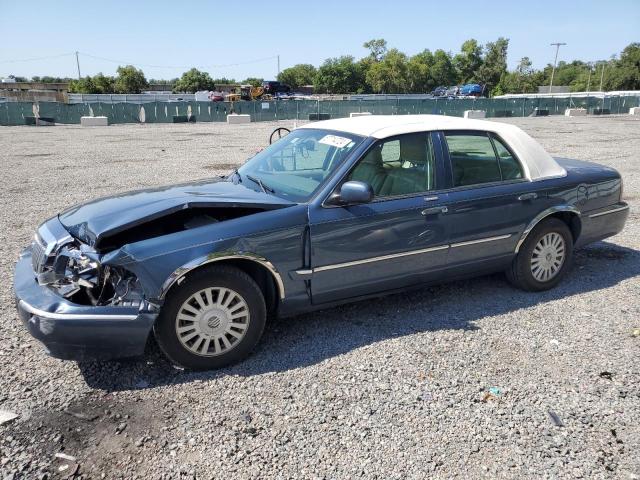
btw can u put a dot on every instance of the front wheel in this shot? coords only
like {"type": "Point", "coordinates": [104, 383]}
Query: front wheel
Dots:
{"type": "Point", "coordinates": [213, 319]}
{"type": "Point", "coordinates": [544, 257]}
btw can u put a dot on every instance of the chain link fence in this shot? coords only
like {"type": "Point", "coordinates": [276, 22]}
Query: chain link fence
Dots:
{"type": "Point", "coordinates": [26, 113]}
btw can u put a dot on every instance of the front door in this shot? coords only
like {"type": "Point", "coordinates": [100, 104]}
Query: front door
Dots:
{"type": "Point", "coordinates": [398, 239]}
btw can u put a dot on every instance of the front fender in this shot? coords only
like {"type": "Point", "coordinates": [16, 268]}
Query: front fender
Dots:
{"type": "Point", "coordinates": [159, 262]}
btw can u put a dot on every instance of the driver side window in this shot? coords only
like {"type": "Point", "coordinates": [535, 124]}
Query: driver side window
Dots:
{"type": "Point", "coordinates": [399, 165]}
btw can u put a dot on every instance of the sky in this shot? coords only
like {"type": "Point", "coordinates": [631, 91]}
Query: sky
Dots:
{"type": "Point", "coordinates": [242, 39]}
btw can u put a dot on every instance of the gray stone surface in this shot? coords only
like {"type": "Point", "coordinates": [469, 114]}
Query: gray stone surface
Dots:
{"type": "Point", "coordinates": [458, 380]}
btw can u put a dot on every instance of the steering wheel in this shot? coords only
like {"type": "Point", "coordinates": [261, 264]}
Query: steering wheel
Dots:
{"type": "Point", "coordinates": [278, 133]}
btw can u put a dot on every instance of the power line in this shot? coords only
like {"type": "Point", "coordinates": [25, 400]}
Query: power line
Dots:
{"type": "Point", "coordinates": [35, 59]}
{"type": "Point", "coordinates": [122, 62]}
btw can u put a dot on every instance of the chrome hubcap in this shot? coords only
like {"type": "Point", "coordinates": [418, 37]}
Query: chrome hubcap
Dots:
{"type": "Point", "coordinates": [548, 257]}
{"type": "Point", "coordinates": [212, 321]}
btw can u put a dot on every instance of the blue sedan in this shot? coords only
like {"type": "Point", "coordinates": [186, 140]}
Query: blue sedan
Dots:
{"type": "Point", "coordinates": [334, 212]}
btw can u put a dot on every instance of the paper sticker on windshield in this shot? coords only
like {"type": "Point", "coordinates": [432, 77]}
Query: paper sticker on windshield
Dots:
{"type": "Point", "coordinates": [335, 141]}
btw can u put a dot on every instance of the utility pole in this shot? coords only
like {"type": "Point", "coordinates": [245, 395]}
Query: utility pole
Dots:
{"type": "Point", "coordinates": [602, 75]}
{"type": "Point", "coordinates": [78, 64]}
{"type": "Point", "coordinates": [555, 61]}
{"type": "Point", "coordinates": [589, 79]}
{"type": "Point", "coordinates": [278, 64]}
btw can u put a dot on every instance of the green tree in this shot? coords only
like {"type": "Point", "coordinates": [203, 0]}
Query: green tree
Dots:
{"type": "Point", "coordinates": [253, 81]}
{"type": "Point", "coordinates": [103, 83]}
{"type": "Point", "coordinates": [390, 74]}
{"type": "Point", "coordinates": [419, 66]}
{"type": "Point", "coordinates": [626, 73]}
{"type": "Point", "coordinates": [443, 72]}
{"type": "Point", "coordinates": [494, 64]}
{"type": "Point", "coordinates": [130, 80]}
{"type": "Point", "coordinates": [84, 85]}
{"type": "Point", "coordinates": [224, 81]}
{"type": "Point", "coordinates": [468, 61]}
{"type": "Point", "coordinates": [377, 48]}
{"type": "Point", "coordinates": [193, 81]}
{"type": "Point", "coordinates": [298, 75]}
{"type": "Point", "coordinates": [339, 75]}
{"type": "Point", "coordinates": [524, 79]}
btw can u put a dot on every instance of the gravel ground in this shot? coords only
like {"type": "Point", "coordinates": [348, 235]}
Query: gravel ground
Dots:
{"type": "Point", "coordinates": [472, 379]}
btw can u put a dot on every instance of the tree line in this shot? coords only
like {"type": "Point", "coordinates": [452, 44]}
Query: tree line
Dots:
{"type": "Point", "coordinates": [388, 70]}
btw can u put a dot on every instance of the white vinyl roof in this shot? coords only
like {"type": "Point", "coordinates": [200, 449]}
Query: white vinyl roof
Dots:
{"type": "Point", "coordinates": [538, 164]}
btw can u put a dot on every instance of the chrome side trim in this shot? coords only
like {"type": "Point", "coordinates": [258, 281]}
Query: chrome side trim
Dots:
{"type": "Point", "coordinates": [72, 316]}
{"type": "Point", "coordinates": [180, 272]}
{"type": "Point", "coordinates": [480, 240]}
{"type": "Point", "coordinates": [626, 207]}
{"type": "Point", "coordinates": [378, 259]}
{"type": "Point", "coordinates": [305, 272]}
{"type": "Point", "coordinates": [541, 216]}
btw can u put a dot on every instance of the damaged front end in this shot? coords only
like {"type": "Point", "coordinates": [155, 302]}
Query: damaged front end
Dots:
{"type": "Point", "coordinates": [77, 307]}
{"type": "Point", "coordinates": [74, 271]}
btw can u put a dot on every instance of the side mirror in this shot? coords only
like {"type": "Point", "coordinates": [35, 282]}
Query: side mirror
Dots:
{"type": "Point", "coordinates": [354, 192]}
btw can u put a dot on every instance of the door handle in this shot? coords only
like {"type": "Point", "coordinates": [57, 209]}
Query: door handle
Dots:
{"type": "Point", "coordinates": [528, 196]}
{"type": "Point", "coordinates": [434, 210]}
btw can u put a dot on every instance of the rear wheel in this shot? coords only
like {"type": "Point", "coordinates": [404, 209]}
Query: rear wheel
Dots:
{"type": "Point", "coordinates": [544, 257]}
{"type": "Point", "coordinates": [213, 319]}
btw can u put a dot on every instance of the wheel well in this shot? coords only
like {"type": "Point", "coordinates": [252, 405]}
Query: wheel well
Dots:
{"type": "Point", "coordinates": [572, 220]}
{"type": "Point", "coordinates": [260, 274]}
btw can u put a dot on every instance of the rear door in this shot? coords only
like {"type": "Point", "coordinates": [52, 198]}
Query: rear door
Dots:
{"type": "Point", "coordinates": [490, 201]}
{"type": "Point", "coordinates": [396, 240]}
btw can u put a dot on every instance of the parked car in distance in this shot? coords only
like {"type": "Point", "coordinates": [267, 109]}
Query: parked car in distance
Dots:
{"type": "Point", "coordinates": [333, 212]}
{"type": "Point", "coordinates": [274, 88]}
{"type": "Point", "coordinates": [452, 91]}
{"type": "Point", "coordinates": [471, 90]}
{"type": "Point", "coordinates": [439, 91]}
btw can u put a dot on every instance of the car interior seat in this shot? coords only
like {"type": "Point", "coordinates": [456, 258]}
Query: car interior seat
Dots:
{"type": "Point", "coordinates": [416, 172]}
{"type": "Point", "coordinates": [371, 169]}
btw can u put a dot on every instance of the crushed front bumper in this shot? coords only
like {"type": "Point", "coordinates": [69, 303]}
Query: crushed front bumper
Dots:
{"type": "Point", "coordinates": [78, 332]}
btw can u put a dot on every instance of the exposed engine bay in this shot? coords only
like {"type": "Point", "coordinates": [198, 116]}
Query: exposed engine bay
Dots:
{"type": "Point", "coordinates": [176, 221]}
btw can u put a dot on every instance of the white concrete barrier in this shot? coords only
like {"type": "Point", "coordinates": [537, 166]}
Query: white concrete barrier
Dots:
{"type": "Point", "coordinates": [634, 111]}
{"type": "Point", "coordinates": [575, 112]}
{"type": "Point", "coordinates": [234, 119]}
{"type": "Point", "coordinates": [94, 121]}
{"type": "Point", "coordinates": [475, 114]}
{"type": "Point", "coordinates": [359, 114]}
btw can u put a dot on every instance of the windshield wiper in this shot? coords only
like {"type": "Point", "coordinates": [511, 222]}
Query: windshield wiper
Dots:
{"type": "Point", "coordinates": [237, 173]}
{"type": "Point", "coordinates": [264, 187]}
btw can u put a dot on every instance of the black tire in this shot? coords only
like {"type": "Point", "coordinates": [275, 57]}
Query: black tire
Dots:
{"type": "Point", "coordinates": [520, 273]}
{"type": "Point", "coordinates": [204, 278]}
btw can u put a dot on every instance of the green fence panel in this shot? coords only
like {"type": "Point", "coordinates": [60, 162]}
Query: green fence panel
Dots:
{"type": "Point", "coordinates": [15, 113]}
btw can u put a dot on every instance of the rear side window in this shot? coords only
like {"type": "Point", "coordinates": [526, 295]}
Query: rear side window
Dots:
{"type": "Point", "coordinates": [509, 165]}
{"type": "Point", "coordinates": [473, 159]}
{"type": "Point", "coordinates": [480, 158]}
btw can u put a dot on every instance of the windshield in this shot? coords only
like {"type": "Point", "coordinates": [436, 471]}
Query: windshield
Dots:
{"type": "Point", "coordinates": [295, 166]}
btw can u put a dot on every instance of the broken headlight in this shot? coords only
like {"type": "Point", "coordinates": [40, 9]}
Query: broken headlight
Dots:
{"type": "Point", "coordinates": [76, 274]}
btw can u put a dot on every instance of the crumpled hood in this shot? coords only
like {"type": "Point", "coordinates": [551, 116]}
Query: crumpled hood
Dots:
{"type": "Point", "coordinates": [91, 221]}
